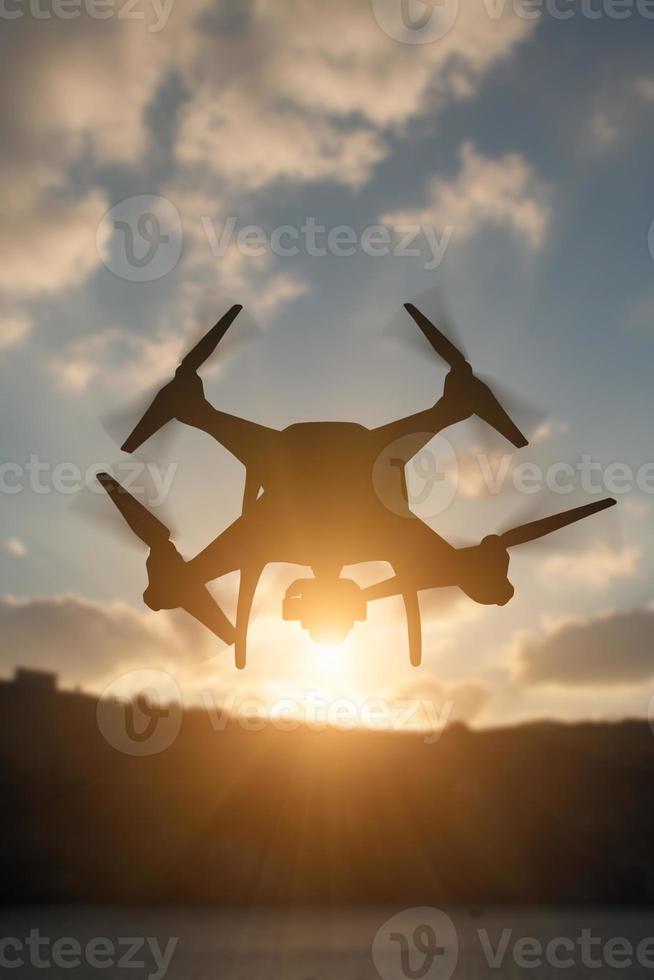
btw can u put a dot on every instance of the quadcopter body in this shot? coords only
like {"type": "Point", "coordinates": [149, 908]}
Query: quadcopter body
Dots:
{"type": "Point", "coordinates": [310, 499]}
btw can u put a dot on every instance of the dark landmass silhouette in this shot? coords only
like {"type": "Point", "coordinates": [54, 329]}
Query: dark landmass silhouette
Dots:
{"type": "Point", "coordinates": [543, 812]}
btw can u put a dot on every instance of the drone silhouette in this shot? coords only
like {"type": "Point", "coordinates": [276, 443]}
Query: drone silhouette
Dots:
{"type": "Point", "coordinates": [309, 499]}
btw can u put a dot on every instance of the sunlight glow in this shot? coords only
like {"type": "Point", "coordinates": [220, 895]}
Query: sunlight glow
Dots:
{"type": "Point", "coordinates": [329, 657]}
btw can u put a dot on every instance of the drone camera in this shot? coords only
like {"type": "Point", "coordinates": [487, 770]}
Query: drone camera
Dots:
{"type": "Point", "coordinates": [327, 609]}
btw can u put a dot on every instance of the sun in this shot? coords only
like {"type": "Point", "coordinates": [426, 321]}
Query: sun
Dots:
{"type": "Point", "coordinates": [329, 657]}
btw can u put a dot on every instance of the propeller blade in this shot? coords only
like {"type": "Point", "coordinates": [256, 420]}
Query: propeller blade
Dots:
{"type": "Point", "coordinates": [144, 524]}
{"type": "Point", "coordinates": [488, 408]}
{"type": "Point", "coordinates": [485, 404]}
{"type": "Point", "coordinates": [162, 409]}
{"type": "Point", "coordinates": [537, 529]}
{"type": "Point", "coordinates": [207, 345]}
{"type": "Point", "coordinates": [203, 607]}
{"type": "Point", "coordinates": [443, 347]}
{"type": "Point", "coordinates": [159, 413]}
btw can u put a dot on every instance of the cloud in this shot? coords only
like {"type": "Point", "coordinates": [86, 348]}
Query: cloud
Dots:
{"type": "Point", "coordinates": [504, 191]}
{"type": "Point", "coordinates": [639, 313]}
{"type": "Point", "coordinates": [608, 649]}
{"type": "Point", "coordinates": [293, 92]}
{"type": "Point", "coordinates": [253, 276]}
{"type": "Point", "coordinates": [464, 701]}
{"type": "Point", "coordinates": [118, 359]}
{"type": "Point", "coordinates": [304, 93]}
{"type": "Point", "coordinates": [121, 360]}
{"type": "Point", "coordinates": [74, 95]}
{"type": "Point", "coordinates": [14, 329]}
{"type": "Point", "coordinates": [596, 567]}
{"type": "Point", "coordinates": [49, 243]}
{"type": "Point", "coordinates": [89, 642]}
{"type": "Point", "coordinates": [15, 547]}
{"type": "Point", "coordinates": [644, 86]}
{"type": "Point", "coordinates": [238, 139]}
{"type": "Point", "coordinates": [338, 61]}
{"type": "Point", "coordinates": [621, 113]}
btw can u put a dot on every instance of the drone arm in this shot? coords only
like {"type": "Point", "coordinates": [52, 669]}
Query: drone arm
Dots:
{"type": "Point", "coordinates": [416, 430]}
{"type": "Point", "coordinates": [402, 584]}
{"type": "Point", "coordinates": [224, 554]}
{"type": "Point", "coordinates": [243, 439]}
{"type": "Point", "coordinates": [250, 490]}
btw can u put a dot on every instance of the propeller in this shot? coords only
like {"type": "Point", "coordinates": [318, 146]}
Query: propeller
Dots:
{"type": "Point", "coordinates": [538, 529]}
{"type": "Point", "coordinates": [167, 570]}
{"type": "Point", "coordinates": [437, 339]}
{"type": "Point", "coordinates": [165, 403]}
{"type": "Point", "coordinates": [144, 524]}
{"type": "Point", "coordinates": [478, 394]}
{"type": "Point", "coordinates": [89, 505]}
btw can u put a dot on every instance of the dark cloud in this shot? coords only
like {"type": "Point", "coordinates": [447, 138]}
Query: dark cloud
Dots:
{"type": "Point", "coordinates": [84, 641]}
{"type": "Point", "coordinates": [467, 698]}
{"type": "Point", "coordinates": [612, 648]}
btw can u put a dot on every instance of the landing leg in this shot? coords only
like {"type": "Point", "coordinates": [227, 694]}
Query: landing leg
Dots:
{"type": "Point", "coordinates": [250, 575]}
{"type": "Point", "coordinates": [412, 607]}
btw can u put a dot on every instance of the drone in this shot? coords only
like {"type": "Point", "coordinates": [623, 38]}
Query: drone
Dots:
{"type": "Point", "coordinates": [309, 499]}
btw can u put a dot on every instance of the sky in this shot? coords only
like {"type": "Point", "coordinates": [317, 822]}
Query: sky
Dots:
{"type": "Point", "coordinates": [161, 161]}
